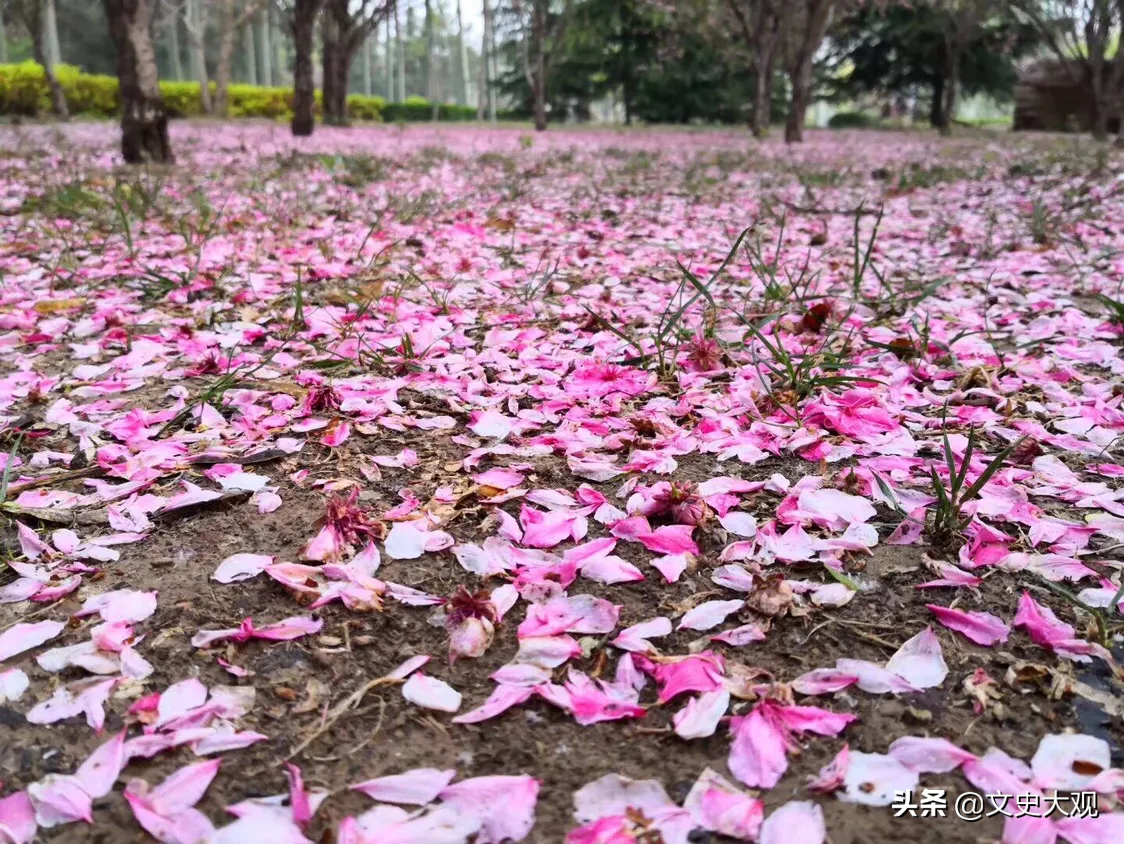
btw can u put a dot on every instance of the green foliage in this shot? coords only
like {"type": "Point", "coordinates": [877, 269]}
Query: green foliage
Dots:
{"type": "Point", "coordinates": [851, 120]}
{"type": "Point", "coordinates": [23, 91]}
{"type": "Point", "coordinates": [663, 67]}
{"type": "Point", "coordinates": [900, 49]}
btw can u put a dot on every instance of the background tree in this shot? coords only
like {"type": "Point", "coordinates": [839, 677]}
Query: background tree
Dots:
{"type": "Point", "coordinates": [762, 24]}
{"type": "Point", "coordinates": [898, 52]}
{"type": "Point", "coordinates": [193, 15]}
{"type": "Point", "coordinates": [32, 14]}
{"type": "Point", "coordinates": [144, 122]}
{"type": "Point", "coordinates": [232, 18]}
{"type": "Point", "coordinates": [1080, 34]}
{"type": "Point", "coordinates": [300, 16]}
{"type": "Point", "coordinates": [961, 23]}
{"type": "Point", "coordinates": [346, 27]}
{"type": "Point", "coordinates": [540, 31]}
{"type": "Point", "coordinates": [805, 27]}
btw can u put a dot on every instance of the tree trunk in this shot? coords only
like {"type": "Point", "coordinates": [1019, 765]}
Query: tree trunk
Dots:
{"type": "Point", "coordinates": [430, 56]}
{"type": "Point", "coordinates": [225, 57]}
{"type": "Point", "coordinates": [51, 33]}
{"type": "Point", "coordinates": [951, 98]}
{"type": "Point", "coordinates": [798, 107]}
{"type": "Point", "coordinates": [278, 42]}
{"type": "Point", "coordinates": [462, 57]}
{"type": "Point", "coordinates": [304, 95]}
{"type": "Point", "coordinates": [144, 123]}
{"type": "Point", "coordinates": [400, 51]}
{"type": "Point", "coordinates": [815, 22]}
{"type": "Point", "coordinates": [367, 81]}
{"type": "Point", "coordinates": [329, 55]}
{"type": "Point", "coordinates": [37, 29]}
{"type": "Point", "coordinates": [762, 95]}
{"type": "Point", "coordinates": [1098, 118]}
{"type": "Point", "coordinates": [196, 32]}
{"type": "Point", "coordinates": [951, 86]}
{"type": "Point", "coordinates": [936, 104]}
{"type": "Point", "coordinates": [342, 67]}
{"type": "Point", "coordinates": [172, 29]}
{"type": "Point", "coordinates": [1099, 101]}
{"type": "Point", "coordinates": [3, 38]}
{"type": "Point", "coordinates": [538, 73]}
{"type": "Point", "coordinates": [482, 82]}
{"type": "Point", "coordinates": [249, 51]}
{"type": "Point", "coordinates": [265, 49]}
{"type": "Point", "coordinates": [489, 56]}
{"type": "Point", "coordinates": [389, 60]}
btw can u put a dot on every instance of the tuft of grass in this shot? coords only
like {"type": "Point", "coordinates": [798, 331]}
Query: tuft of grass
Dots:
{"type": "Point", "coordinates": [948, 521]}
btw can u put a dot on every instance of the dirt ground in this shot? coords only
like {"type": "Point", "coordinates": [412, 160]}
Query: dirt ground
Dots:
{"type": "Point", "coordinates": [627, 202]}
{"type": "Point", "coordinates": [295, 681]}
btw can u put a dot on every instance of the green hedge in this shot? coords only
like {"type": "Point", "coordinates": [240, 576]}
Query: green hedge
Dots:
{"type": "Point", "coordinates": [23, 91]}
{"type": "Point", "coordinates": [851, 120]}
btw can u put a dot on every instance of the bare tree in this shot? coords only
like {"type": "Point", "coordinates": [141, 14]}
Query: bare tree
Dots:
{"type": "Point", "coordinates": [144, 122]}
{"type": "Point", "coordinates": [960, 24]}
{"type": "Point", "coordinates": [231, 20]}
{"type": "Point", "coordinates": [300, 16]}
{"type": "Point", "coordinates": [345, 28]}
{"type": "Point", "coordinates": [249, 48]}
{"type": "Point", "coordinates": [462, 59]}
{"type": "Point", "coordinates": [1118, 76]}
{"type": "Point", "coordinates": [169, 18]}
{"type": "Point", "coordinates": [367, 69]}
{"type": "Point", "coordinates": [541, 33]}
{"type": "Point", "coordinates": [194, 16]}
{"type": "Point", "coordinates": [1079, 33]}
{"type": "Point", "coordinates": [400, 50]}
{"type": "Point", "coordinates": [31, 13]}
{"type": "Point", "coordinates": [762, 24]}
{"type": "Point", "coordinates": [488, 56]}
{"type": "Point", "coordinates": [389, 55]}
{"type": "Point", "coordinates": [430, 59]}
{"type": "Point", "coordinates": [807, 27]}
{"type": "Point", "coordinates": [51, 33]}
{"type": "Point", "coordinates": [265, 48]}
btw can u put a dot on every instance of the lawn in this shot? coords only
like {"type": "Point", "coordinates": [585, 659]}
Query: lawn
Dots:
{"type": "Point", "coordinates": [423, 484]}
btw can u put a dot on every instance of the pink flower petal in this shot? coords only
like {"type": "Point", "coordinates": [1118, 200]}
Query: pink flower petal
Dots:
{"type": "Point", "coordinates": [241, 567]}
{"type": "Point", "coordinates": [796, 821]}
{"type": "Point", "coordinates": [413, 788]}
{"type": "Point", "coordinates": [1068, 762]}
{"type": "Point", "coordinates": [635, 638]}
{"type": "Point", "coordinates": [919, 661]}
{"type": "Point", "coordinates": [25, 636]}
{"type": "Point", "coordinates": [504, 806]}
{"type": "Point", "coordinates": [981, 627]}
{"type": "Point", "coordinates": [720, 806]}
{"type": "Point", "coordinates": [431, 693]}
{"type": "Point", "coordinates": [929, 755]}
{"type": "Point", "coordinates": [872, 779]}
{"type": "Point", "coordinates": [758, 755]}
{"type": "Point", "coordinates": [700, 717]}
{"type": "Point", "coordinates": [708, 615]}
{"type": "Point", "coordinates": [17, 818]}
{"type": "Point", "coordinates": [59, 800]}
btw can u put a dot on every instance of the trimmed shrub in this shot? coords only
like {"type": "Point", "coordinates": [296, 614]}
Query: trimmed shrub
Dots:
{"type": "Point", "coordinates": [23, 91]}
{"type": "Point", "coordinates": [851, 120]}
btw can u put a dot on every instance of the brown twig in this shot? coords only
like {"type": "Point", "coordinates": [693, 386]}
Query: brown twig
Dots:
{"type": "Point", "coordinates": [341, 709]}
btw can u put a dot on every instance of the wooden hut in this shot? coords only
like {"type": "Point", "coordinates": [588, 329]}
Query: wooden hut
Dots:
{"type": "Point", "coordinates": [1052, 97]}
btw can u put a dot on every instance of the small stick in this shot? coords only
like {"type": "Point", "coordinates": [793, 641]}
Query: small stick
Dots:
{"type": "Point", "coordinates": [337, 712]}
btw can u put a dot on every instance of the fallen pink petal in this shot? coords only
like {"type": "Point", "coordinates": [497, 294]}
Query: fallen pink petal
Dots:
{"type": "Point", "coordinates": [600, 422]}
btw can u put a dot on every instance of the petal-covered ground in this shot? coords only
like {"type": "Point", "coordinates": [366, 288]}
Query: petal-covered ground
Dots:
{"type": "Point", "coordinates": [450, 485]}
